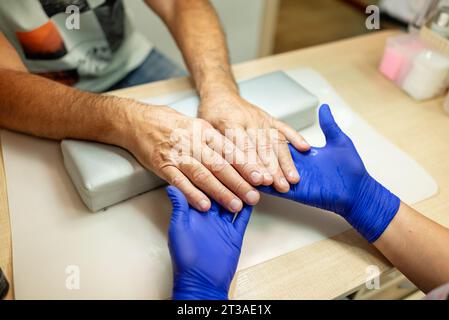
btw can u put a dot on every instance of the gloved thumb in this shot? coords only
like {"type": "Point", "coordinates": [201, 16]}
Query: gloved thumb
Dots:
{"type": "Point", "coordinates": [241, 222]}
{"type": "Point", "coordinates": [330, 128]}
{"type": "Point", "coordinates": [180, 206]}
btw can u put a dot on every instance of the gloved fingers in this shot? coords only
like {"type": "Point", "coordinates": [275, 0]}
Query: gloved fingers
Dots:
{"type": "Point", "coordinates": [214, 208]}
{"type": "Point", "coordinates": [227, 215]}
{"type": "Point", "coordinates": [242, 219]}
{"type": "Point", "coordinates": [179, 202]}
{"type": "Point", "coordinates": [330, 128]}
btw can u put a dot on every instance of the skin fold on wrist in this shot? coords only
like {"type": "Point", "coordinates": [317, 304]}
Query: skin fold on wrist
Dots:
{"type": "Point", "coordinates": [216, 88]}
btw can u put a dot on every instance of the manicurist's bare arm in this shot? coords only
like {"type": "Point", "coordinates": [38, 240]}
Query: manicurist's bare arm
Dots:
{"type": "Point", "coordinates": [418, 247]}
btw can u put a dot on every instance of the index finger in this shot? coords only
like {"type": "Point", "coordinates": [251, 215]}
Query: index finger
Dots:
{"type": "Point", "coordinates": [292, 136]}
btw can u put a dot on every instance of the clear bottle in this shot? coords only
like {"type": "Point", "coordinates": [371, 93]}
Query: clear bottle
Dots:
{"type": "Point", "coordinates": [429, 9]}
{"type": "Point", "coordinates": [440, 22]}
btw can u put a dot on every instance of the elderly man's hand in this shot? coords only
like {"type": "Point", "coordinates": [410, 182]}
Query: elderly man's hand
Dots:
{"type": "Point", "coordinates": [191, 155]}
{"type": "Point", "coordinates": [257, 134]}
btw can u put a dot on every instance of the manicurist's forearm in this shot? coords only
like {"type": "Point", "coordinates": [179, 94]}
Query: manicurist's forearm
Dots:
{"type": "Point", "coordinates": [418, 247]}
{"type": "Point", "coordinates": [196, 28]}
{"type": "Point", "coordinates": [44, 108]}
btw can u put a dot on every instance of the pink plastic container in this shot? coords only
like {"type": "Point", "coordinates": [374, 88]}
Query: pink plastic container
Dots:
{"type": "Point", "coordinates": [399, 55]}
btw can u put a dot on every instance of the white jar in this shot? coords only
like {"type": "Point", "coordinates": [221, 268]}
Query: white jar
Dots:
{"type": "Point", "coordinates": [428, 77]}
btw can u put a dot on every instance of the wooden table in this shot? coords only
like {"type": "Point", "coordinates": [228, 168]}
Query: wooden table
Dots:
{"type": "Point", "coordinates": [333, 267]}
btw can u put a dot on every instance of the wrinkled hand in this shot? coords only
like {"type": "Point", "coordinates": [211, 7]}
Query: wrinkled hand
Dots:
{"type": "Point", "coordinates": [191, 155]}
{"type": "Point", "coordinates": [204, 248]}
{"type": "Point", "coordinates": [334, 178]}
{"type": "Point", "coordinates": [257, 134]}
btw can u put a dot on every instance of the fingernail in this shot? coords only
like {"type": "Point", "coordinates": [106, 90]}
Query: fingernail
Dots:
{"type": "Point", "coordinates": [284, 182]}
{"type": "Point", "coordinates": [235, 205]}
{"type": "Point", "coordinates": [256, 177]}
{"type": "Point", "coordinates": [304, 144]}
{"type": "Point", "coordinates": [204, 204]}
{"type": "Point", "coordinates": [268, 177]}
{"type": "Point", "coordinates": [252, 197]}
{"type": "Point", "coordinates": [293, 174]}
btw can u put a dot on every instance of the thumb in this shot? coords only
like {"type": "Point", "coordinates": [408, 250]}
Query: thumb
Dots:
{"type": "Point", "coordinates": [330, 128]}
{"type": "Point", "coordinates": [242, 219]}
{"type": "Point", "coordinates": [180, 206]}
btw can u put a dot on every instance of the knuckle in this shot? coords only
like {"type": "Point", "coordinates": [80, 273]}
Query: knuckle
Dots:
{"type": "Point", "coordinates": [223, 124]}
{"type": "Point", "coordinates": [223, 195]}
{"type": "Point", "coordinates": [210, 136]}
{"type": "Point", "coordinates": [203, 123]}
{"type": "Point", "coordinates": [287, 166]}
{"type": "Point", "coordinates": [183, 184]}
{"type": "Point", "coordinates": [228, 149]}
{"type": "Point", "coordinates": [246, 167]}
{"type": "Point", "coordinates": [219, 166]}
{"type": "Point", "coordinates": [248, 147]}
{"type": "Point", "coordinates": [266, 121]}
{"type": "Point", "coordinates": [191, 194]}
{"type": "Point", "coordinates": [286, 162]}
{"type": "Point", "coordinates": [274, 169]}
{"type": "Point", "coordinates": [265, 148]}
{"type": "Point", "coordinates": [276, 137]}
{"type": "Point", "coordinates": [178, 182]}
{"type": "Point", "coordinates": [200, 174]}
{"type": "Point", "coordinates": [264, 159]}
{"type": "Point", "coordinates": [281, 140]}
{"type": "Point", "coordinates": [240, 186]}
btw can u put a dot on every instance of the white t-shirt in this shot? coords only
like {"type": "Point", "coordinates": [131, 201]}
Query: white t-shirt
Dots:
{"type": "Point", "coordinates": [97, 55]}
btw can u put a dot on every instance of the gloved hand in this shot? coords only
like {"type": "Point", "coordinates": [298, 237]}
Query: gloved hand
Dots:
{"type": "Point", "coordinates": [204, 248]}
{"type": "Point", "coordinates": [334, 178]}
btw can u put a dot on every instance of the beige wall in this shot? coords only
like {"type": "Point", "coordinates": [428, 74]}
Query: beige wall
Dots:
{"type": "Point", "coordinates": [242, 21]}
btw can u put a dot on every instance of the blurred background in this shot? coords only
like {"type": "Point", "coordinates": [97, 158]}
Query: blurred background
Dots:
{"type": "Point", "coordinates": [257, 28]}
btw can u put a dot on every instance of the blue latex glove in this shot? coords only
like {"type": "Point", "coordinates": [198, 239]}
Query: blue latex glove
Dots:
{"type": "Point", "coordinates": [334, 178]}
{"type": "Point", "coordinates": [204, 248]}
